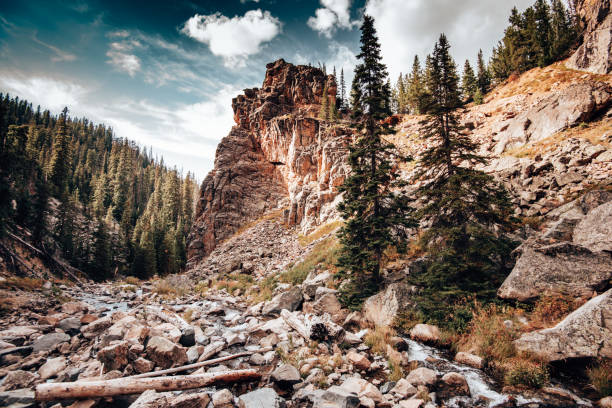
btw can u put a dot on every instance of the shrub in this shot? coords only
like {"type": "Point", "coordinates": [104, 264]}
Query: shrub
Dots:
{"type": "Point", "coordinates": [551, 309]}
{"type": "Point", "coordinates": [132, 280]}
{"type": "Point", "coordinates": [406, 320]}
{"type": "Point", "coordinates": [524, 373]}
{"type": "Point", "coordinates": [600, 377]}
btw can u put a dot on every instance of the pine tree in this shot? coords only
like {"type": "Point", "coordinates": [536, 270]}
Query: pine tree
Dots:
{"type": "Point", "coordinates": [61, 159]}
{"type": "Point", "coordinates": [342, 106]}
{"type": "Point", "coordinates": [563, 30]}
{"type": "Point", "coordinates": [374, 215]}
{"type": "Point", "coordinates": [416, 92]}
{"type": "Point", "coordinates": [324, 113]}
{"type": "Point", "coordinates": [40, 210]}
{"type": "Point", "coordinates": [101, 265]}
{"type": "Point", "coordinates": [469, 84]}
{"type": "Point", "coordinates": [462, 206]}
{"type": "Point", "coordinates": [484, 77]}
{"type": "Point", "coordinates": [544, 33]}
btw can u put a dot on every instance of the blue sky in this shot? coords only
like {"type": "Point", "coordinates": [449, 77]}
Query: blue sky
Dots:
{"type": "Point", "coordinates": [163, 73]}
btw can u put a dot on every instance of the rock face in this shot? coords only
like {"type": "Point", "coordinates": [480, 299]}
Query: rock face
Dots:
{"type": "Point", "coordinates": [594, 53]}
{"type": "Point", "coordinates": [585, 333]}
{"type": "Point", "coordinates": [557, 268]}
{"type": "Point", "coordinates": [277, 150]}
{"type": "Point", "coordinates": [382, 308]}
{"type": "Point", "coordinates": [595, 230]}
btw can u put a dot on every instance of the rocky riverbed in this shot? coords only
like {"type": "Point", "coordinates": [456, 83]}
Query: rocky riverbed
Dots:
{"type": "Point", "coordinates": [106, 331]}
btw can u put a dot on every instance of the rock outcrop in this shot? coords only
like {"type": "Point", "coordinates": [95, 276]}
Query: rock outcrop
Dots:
{"type": "Point", "coordinates": [594, 53]}
{"type": "Point", "coordinates": [278, 155]}
{"type": "Point", "coordinates": [585, 333]}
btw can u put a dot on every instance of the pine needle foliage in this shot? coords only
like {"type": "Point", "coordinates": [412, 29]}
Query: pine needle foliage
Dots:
{"type": "Point", "coordinates": [375, 215]}
{"type": "Point", "coordinates": [465, 208]}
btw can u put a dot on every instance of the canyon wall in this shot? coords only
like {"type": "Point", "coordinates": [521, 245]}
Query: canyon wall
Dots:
{"type": "Point", "coordinates": [596, 20]}
{"type": "Point", "coordinates": [279, 155]}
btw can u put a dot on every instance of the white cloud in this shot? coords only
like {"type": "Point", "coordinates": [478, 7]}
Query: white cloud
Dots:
{"type": "Point", "coordinates": [121, 57]}
{"type": "Point", "coordinates": [246, 1]}
{"type": "Point", "coordinates": [342, 58]}
{"type": "Point", "coordinates": [236, 38]}
{"type": "Point", "coordinates": [334, 14]}
{"type": "Point", "coordinates": [48, 92]}
{"type": "Point", "coordinates": [409, 27]}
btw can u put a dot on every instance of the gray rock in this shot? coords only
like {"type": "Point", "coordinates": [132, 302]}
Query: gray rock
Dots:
{"type": "Point", "coordinates": [286, 375]}
{"type": "Point", "coordinates": [312, 282]}
{"type": "Point", "coordinates": [263, 397]}
{"type": "Point", "coordinates": [188, 337]}
{"type": "Point", "coordinates": [164, 353]}
{"type": "Point", "coordinates": [337, 397]}
{"type": "Point", "coordinates": [96, 327]}
{"type": "Point", "coordinates": [223, 399]}
{"type": "Point", "coordinates": [289, 300]}
{"type": "Point", "coordinates": [593, 55]}
{"type": "Point", "coordinates": [18, 379]}
{"type": "Point", "coordinates": [568, 177]}
{"type": "Point", "coordinates": [422, 376]}
{"type": "Point", "coordinates": [52, 367]}
{"type": "Point", "coordinates": [382, 308]}
{"type": "Point", "coordinates": [584, 333]}
{"type": "Point", "coordinates": [595, 230]}
{"type": "Point", "coordinates": [48, 341]}
{"type": "Point", "coordinates": [557, 268]}
{"type": "Point", "coordinates": [71, 325]}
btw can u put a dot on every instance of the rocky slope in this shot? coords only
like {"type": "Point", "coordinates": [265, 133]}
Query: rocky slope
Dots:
{"type": "Point", "coordinates": [278, 155]}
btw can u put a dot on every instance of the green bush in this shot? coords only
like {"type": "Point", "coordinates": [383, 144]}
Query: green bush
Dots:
{"type": "Point", "coordinates": [523, 373]}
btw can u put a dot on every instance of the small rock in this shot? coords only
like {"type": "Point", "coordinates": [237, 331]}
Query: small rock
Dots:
{"type": "Point", "coordinates": [114, 357]}
{"type": "Point", "coordinates": [223, 398]}
{"type": "Point", "coordinates": [70, 325]}
{"type": "Point", "coordinates": [422, 376]}
{"type": "Point", "coordinates": [469, 359]}
{"type": "Point", "coordinates": [403, 389]}
{"type": "Point", "coordinates": [263, 397]}
{"type": "Point", "coordinates": [48, 341]}
{"type": "Point", "coordinates": [425, 333]}
{"type": "Point", "coordinates": [142, 365]}
{"type": "Point", "coordinates": [286, 375]}
{"type": "Point", "coordinates": [52, 368]}
{"type": "Point", "coordinates": [359, 360]}
{"type": "Point", "coordinates": [336, 396]}
{"type": "Point", "coordinates": [188, 337]}
{"type": "Point", "coordinates": [72, 308]}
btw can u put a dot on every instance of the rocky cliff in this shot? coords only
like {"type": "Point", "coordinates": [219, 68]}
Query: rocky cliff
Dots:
{"type": "Point", "coordinates": [596, 20]}
{"type": "Point", "coordinates": [278, 155]}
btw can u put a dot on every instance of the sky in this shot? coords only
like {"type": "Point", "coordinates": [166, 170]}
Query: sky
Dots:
{"type": "Point", "coordinates": [163, 73]}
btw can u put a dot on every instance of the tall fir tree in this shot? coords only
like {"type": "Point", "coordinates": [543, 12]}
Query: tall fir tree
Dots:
{"type": "Point", "coordinates": [375, 216]}
{"type": "Point", "coordinates": [416, 92]}
{"type": "Point", "coordinates": [484, 77]}
{"type": "Point", "coordinates": [543, 39]}
{"type": "Point", "coordinates": [101, 265]}
{"type": "Point", "coordinates": [469, 84]}
{"type": "Point", "coordinates": [342, 106]}
{"type": "Point", "coordinates": [61, 159]}
{"type": "Point", "coordinates": [462, 206]}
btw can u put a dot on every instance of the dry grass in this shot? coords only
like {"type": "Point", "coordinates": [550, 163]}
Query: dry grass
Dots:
{"type": "Point", "coordinates": [233, 282]}
{"type": "Point", "coordinates": [324, 254]}
{"type": "Point", "coordinates": [551, 309]}
{"type": "Point", "coordinates": [265, 290]}
{"type": "Point", "coordinates": [378, 339]}
{"type": "Point", "coordinates": [319, 233]}
{"type": "Point", "coordinates": [132, 280]}
{"type": "Point", "coordinates": [27, 284]}
{"type": "Point", "coordinates": [166, 290]}
{"type": "Point", "coordinates": [600, 378]}
{"type": "Point", "coordinates": [525, 373]}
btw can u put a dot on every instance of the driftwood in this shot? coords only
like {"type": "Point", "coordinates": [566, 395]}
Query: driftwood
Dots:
{"type": "Point", "coordinates": [310, 327]}
{"type": "Point", "coordinates": [169, 317]}
{"type": "Point", "coordinates": [126, 386]}
{"type": "Point", "coordinates": [198, 365]}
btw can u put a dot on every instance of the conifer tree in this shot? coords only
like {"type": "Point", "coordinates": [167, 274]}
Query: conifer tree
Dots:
{"type": "Point", "coordinates": [543, 39]}
{"type": "Point", "coordinates": [416, 92]}
{"type": "Point", "coordinates": [40, 209]}
{"type": "Point", "coordinates": [61, 159]}
{"type": "Point", "coordinates": [324, 112]}
{"type": "Point", "coordinates": [484, 77]}
{"type": "Point", "coordinates": [374, 215]}
{"type": "Point", "coordinates": [462, 206]}
{"type": "Point", "coordinates": [469, 83]}
{"type": "Point", "coordinates": [101, 265]}
{"type": "Point", "coordinates": [342, 106]}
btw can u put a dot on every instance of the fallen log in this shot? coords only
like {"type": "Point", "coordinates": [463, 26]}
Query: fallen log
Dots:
{"type": "Point", "coordinates": [198, 365]}
{"type": "Point", "coordinates": [126, 386]}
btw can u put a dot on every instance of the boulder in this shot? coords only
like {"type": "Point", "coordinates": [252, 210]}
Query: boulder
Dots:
{"type": "Point", "coordinates": [52, 367]}
{"type": "Point", "coordinates": [403, 389]}
{"type": "Point", "coordinates": [70, 325]}
{"type": "Point", "coordinates": [223, 399]}
{"type": "Point", "coordinates": [142, 365]}
{"type": "Point", "coordinates": [426, 333]}
{"type": "Point", "coordinates": [455, 384]}
{"type": "Point", "coordinates": [337, 397]}
{"type": "Point", "coordinates": [289, 300]}
{"type": "Point", "coordinates": [312, 282]}
{"type": "Point", "coordinates": [558, 268]}
{"type": "Point", "coordinates": [188, 337]}
{"type": "Point", "coordinates": [164, 353]}
{"type": "Point", "coordinates": [382, 308]}
{"type": "Point", "coordinates": [593, 55]}
{"type": "Point", "coordinates": [595, 230]}
{"type": "Point", "coordinates": [72, 308]}
{"type": "Point", "coordinates": [48, 341]}
{"type": "Point", "coordinates": [422, 376]}
{"type": "Point", "coordinates": [359, 360]}
{"type": "Point", "coordinates": [328, 303]}
{"type": "Point", "coordinates": [469, 359]}
{"type": "Point", "coordinates": [94, 328]}
{"type": "Point", "coordinates": [286, 375]}
{"type": "Point", "coordinates": [584, 333]}
{"type": "Point", "coordinates": [263, 397]}
{"type": "Point", "coordinates": [114, 357]}
{"type": "Point", "coordinates": [363, 389]}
